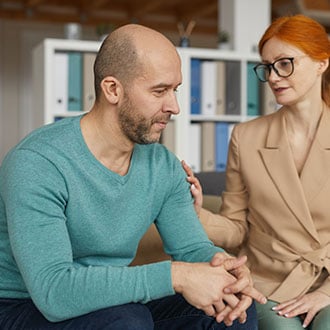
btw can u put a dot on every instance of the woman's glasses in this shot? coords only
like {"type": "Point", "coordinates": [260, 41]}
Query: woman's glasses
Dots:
{"type": "Point", "coordinates": [283, 67]}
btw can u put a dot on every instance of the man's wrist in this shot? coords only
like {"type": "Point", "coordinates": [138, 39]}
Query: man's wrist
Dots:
{"type": "Point", "coordinates": [178, 274]}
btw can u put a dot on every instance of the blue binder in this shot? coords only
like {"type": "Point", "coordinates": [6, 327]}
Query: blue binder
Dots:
{"type": "Point", "coordinates": [221, 146]}
{"type": "Point", "coordinates": [195, 86]}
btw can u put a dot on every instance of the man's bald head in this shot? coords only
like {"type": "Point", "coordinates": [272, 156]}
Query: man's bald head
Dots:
{"type": "Point", "coordinates": [125, 52]}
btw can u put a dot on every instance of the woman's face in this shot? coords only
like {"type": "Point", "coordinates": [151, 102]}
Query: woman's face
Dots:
{"type": "Point", "coordinates": [303, 83]}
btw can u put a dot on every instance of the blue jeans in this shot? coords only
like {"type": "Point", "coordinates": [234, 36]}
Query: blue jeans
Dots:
{"type": "Point", "coordinates": [171, 312]}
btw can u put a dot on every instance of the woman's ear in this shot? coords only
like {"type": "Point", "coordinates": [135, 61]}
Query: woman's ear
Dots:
{"type": "Point", "coordinates": [112, 89]}
{"type": "Point", "coordinates": [323, 65]}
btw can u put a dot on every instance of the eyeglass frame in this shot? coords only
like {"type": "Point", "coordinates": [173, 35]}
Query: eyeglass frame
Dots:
{"type": "Point", "coordinates": [271, 66]}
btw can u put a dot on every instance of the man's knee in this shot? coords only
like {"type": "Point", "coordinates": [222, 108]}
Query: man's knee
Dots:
{"type": "Point", "coordinates": [133, 317]}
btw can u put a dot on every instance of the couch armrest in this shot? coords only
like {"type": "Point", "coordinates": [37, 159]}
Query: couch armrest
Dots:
{"type": "Point", "coordinates": [212, 203]}
{"type": "Point", "coordinates": [150, 248]}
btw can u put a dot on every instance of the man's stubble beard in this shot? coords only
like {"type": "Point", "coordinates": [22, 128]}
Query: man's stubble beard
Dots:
{"type": "Point", "coordinates": [134, 125]}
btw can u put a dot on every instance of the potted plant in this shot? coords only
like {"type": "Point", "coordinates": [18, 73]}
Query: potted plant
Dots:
{"type": "Point", "coordinates": [103, 29]}
{"type": "Point", "coordinates": [223, 40]}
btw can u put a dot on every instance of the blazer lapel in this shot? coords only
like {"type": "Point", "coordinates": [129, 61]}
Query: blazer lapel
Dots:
{"type": "Point", "coordinates": [278, 160]}
{"type": "Point", "coordinates": [316, 171]}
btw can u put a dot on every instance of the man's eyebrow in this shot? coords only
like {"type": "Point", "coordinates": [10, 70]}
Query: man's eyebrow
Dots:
{"type": "Point", "coordinates": [162, 85]}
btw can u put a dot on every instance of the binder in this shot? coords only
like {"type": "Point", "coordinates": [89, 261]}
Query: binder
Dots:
{"type": "Point", "coordinates": [220, 88]}
{"type": "Point", "coordinates": [208, 87]}
{"type": "Point", "coordinates": [221, 151]}
{"type": "Point", "coordinates": [195, 86]}
{"type": "Point", "coordinates": [194, 147]}
{"type": "Point", "coordinates": [75, 82]}
{"type": "Point", "coordinates": [208, 146]}
{"type": "Point", "coordinates": [60, 73]}
{"type": "Point", "coordinates": [230, 130]}
{"type": "Point", "coordinates": [168, 136]}
{"type": "Point", "coordinates": [253, 106]}
{"type": "Point", "coordinates": [267, 100]}
{"type": "Point", "coordinates": [88, 81]}
{"type": "Point", "coordinates": [233, 87]}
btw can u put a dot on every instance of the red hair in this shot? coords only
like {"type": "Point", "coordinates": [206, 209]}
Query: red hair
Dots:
{"type": "Point", "coordinates": [306, 34]}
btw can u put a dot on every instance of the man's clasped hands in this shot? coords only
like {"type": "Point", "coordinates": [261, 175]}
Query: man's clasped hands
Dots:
{"type": "Point", "coordinates": [222, 288]}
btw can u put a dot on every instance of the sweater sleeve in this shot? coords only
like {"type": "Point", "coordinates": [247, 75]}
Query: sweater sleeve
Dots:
{"type": "Point", "coordinates": [178, 219]}
{"type": "Point", "coordinates": [35, 196]}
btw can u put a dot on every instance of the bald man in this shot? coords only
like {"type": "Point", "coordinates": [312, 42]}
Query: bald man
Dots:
{"type": "Point", "coordinates": [77, 196]}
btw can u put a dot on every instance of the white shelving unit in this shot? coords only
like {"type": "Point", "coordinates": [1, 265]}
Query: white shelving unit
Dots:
{"type": "Point", "coordinates": [43, 82]}
{"type": "Point", "coordinates": [43, 76]}
{"type": "Point", "coordinates": [186, 118]}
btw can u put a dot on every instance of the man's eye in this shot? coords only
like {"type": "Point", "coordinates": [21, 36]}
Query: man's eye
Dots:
{"type": "Point", "coordinates": [159, 91]}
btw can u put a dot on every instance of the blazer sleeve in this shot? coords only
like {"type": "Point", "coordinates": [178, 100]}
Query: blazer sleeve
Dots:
{"type": "Point", "coordinates": [228, 229]}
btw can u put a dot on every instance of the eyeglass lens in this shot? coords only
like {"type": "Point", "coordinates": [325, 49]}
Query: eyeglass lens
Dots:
{"type": "Point", "coordinates": [283, 67]}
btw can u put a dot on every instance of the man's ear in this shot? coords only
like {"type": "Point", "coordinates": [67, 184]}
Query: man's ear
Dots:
{"type": "Point", "coordinates": [112, 89]}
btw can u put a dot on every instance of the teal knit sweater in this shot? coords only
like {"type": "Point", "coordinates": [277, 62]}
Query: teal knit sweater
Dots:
{"type": "Point", "coordinates": [69, 227]}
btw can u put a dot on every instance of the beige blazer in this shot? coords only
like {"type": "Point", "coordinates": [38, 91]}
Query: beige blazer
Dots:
{"type": "Point", "coordinates": [279, 219]}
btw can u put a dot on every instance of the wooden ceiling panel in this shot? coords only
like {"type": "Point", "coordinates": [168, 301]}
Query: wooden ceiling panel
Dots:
{"type": "Point", "coordinates": [317, 4]}
{"type": "Point", "coordinates": [316, 9]}
{"type": "Point", "coordinates": [163, 15]}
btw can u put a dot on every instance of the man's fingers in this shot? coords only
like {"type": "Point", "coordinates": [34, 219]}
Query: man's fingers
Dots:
{"type": "Point", "coordinates": [239, 310]}
{"type": "Point", "coordinates": [209, 310]}
{"type": "Point", "coordinates": [219, 306]}
{"type": "Point", "coordinates": [223, 316]}
{"type": "Point", "coordinates": [242, 318]}
{"type": "Point", "coordinates": [219, 258]}
{"type": "Point", "coordinates": [248, 290]}
{"type": "Point", "coordinates": [255, 294]}
{"type": "Point", "coordinates": [234, 263]}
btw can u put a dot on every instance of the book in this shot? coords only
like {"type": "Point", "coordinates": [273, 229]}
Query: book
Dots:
{"type": "Point", "coordinates": [75, 81]}
{"type": "Point", "coordinates": [61, 63]}
{"type": "Point", "coordinates": [195, 86]}
{"type": "Point", "coordinates": [88, 81]}
{"type": "Point", "coordinates": [208, 146]}
{"type": "Point", "coordinates": [208, 87]}
{"type": "Point", "coordinates": [221, 146]}
{"type": "Point", "coordinates": [233, 88]}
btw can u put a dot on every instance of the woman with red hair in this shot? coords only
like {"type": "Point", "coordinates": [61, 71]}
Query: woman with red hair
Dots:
{"type": "Point", "coordinates": [276, 205]}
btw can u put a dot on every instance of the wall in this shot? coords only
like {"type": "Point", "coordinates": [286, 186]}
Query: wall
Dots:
{"type": "Point", "coordinates": [239, 19]}
{"type": "Point", "coordinates": [17, 39]}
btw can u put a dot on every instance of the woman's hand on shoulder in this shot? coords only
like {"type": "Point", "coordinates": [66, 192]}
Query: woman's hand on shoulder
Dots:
{"type": "Point", "coordinates": [195, 187]}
